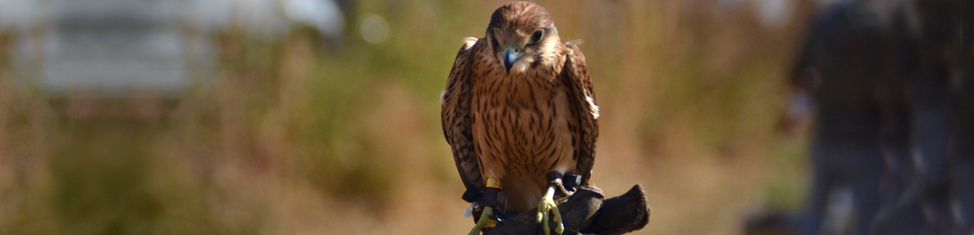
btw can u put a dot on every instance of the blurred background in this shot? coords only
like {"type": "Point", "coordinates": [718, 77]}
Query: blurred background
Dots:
{"type": "Point", "coordinates": [322, 116]}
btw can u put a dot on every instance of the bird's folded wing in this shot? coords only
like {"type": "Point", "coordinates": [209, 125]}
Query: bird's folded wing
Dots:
{"type": "Point", "coordinates": [586, 112]}
{"type": "Point", "coordinates": [456, 119]}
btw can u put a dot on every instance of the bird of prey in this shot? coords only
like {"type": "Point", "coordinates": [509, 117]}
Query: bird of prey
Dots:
{"type": "Point", "coordinates": [519, 113]}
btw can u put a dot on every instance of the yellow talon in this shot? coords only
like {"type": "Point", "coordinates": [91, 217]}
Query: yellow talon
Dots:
{"type": "Point", "coordinates": [546, 205]}
{"type": "Point", "coordinates": [484, 221]}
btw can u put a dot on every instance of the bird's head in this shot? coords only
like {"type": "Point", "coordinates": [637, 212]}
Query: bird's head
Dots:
{"type": "Point", "coordinates": [523, 36]}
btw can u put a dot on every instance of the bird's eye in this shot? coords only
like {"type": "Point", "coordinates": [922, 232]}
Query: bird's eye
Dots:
{"type": "Point", "coordinates": [536, 37]}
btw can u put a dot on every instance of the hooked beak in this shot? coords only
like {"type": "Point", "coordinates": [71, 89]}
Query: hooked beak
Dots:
{"type": "Point", "coordinates": [511, 54]}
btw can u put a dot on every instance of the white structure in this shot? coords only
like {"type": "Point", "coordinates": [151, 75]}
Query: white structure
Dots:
{"type": "Point", "coordinates": [112, 47]}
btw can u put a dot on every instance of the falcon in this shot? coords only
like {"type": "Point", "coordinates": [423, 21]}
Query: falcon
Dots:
{"type": "Point", "coordinates": [519, 114]}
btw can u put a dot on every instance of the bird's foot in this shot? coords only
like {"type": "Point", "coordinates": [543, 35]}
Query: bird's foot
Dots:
{"type": "Point", "coordinates": [562, 187]}
{"type": "Point", "coordinates": [484, 222]}
{"type": "Point", "coordinates": [546, 209]}
{"type": "Point", "coordinates": [487, 218]}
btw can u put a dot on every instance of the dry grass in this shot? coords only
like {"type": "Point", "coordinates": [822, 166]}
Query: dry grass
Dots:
{"type": "Point", "coordinates": [292, 137]}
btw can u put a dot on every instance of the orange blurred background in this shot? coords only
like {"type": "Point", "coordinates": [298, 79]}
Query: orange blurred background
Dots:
{"type": "Point", "coordinates": [278, 124]}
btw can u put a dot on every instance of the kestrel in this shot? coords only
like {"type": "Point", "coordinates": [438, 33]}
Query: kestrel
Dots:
{"type": "Point", "coordinates": [519, 113]}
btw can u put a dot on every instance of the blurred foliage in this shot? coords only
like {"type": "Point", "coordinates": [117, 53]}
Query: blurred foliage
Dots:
{"type": "Point", "coordinates": [303, 135]}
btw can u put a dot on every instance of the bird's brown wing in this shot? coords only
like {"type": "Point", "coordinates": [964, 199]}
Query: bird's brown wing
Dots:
{"type": "Point", "coordinates": [457, 122]}
{"type": "Point", "coordinates": [575, 75]}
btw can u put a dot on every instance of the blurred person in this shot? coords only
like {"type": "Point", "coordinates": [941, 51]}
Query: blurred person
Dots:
{"type": "Point", "coordinates": [947, 35]}
{"type": "Point", "coordinates": [958, 48]}
{"type": "Point", "coordinates": [898, 58]}
{"type": "Point", "coordinates": [939, 192]}
{"type": "Point", "coordinates": [837, 65]}
{"type": "Point", "coordinates": [961, 148]}
{"type": "Point", "coordinates": [849, 67]}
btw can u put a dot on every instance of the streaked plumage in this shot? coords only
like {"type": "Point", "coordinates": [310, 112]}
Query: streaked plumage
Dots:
{"type": "Point", "coordinates": [521, 120]}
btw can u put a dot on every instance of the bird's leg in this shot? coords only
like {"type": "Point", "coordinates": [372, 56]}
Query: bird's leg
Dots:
{"type": "Point", "coordinates": [547, 204]}
{"type": "Point", "coordinates": [490, 202]}
{"type": "Point", "coordinates": [483, 221]}
{"type": "Point", "coordinates": [571, 183]}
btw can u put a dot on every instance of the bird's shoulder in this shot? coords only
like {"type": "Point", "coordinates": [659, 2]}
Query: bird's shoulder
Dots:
{"type": "Point", "coordinates": [576, 68]}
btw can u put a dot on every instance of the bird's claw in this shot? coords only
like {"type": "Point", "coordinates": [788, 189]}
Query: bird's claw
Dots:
{"type": "Point", "coordinates": [546, 207]}
{"type": "Point", "coordinates": [484, 222]}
